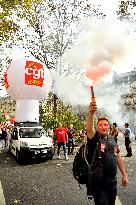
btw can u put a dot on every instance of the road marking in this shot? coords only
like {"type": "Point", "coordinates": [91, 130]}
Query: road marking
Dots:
{"type": "Point", "coordinates": [118, 202]}
{"type": "Point", "coordinates": [2, 199]}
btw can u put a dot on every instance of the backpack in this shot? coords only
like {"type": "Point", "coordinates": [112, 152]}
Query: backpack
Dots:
{"type": "Point", "coordinates": [80, 165]}
{"type": "Point", "coordinates": [84, 172]}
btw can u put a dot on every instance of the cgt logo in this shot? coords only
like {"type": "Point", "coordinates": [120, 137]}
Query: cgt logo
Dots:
{"type": "Point", "coordinates": [34, 73]}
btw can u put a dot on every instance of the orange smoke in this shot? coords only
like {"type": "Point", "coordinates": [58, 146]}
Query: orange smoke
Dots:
{"type": "Point", "coordinates": [95, 74]}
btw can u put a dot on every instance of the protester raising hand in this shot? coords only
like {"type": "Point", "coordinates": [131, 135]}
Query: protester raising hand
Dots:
{"type": "Point", "coordinates": [102, 184]}
{"type": "Point", "coordinates": [93, 106]}
{"type": "Point", "coordinates": [90, 118]}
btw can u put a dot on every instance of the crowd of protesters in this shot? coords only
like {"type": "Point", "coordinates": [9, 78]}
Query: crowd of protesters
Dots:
{"type": "Point", "coordinates": [67, 137]}
{"type": "Point", "coordinates": [5, 134]}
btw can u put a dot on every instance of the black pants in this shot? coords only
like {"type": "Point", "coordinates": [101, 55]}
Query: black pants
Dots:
{"type": "Point", "coordinates": [128, 146]}
{"type": "Point", "coordinates": [63, 144]}
{"type": "Point", "coordinates": [70, 143]}
{"type": "Point", "coordinates": [105, 194]}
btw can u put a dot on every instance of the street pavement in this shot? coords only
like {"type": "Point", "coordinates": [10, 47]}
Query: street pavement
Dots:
{"type": "Point", "coordinates": [2, 199]}
{"type": "Point", "coordinates": [128, 195]}
{"type": "Point", "coordinates": [52, 182]}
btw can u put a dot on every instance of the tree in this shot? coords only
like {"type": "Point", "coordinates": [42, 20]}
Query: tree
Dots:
{"type": "Point", "coordinates": [64, 115]}
{"type": "Point", "coordinates": [2, 119]}
{"type": "Point", "coordinates": [7, 8]}
{"type": "Point", "coordinates": [55, 26]}
{"type": "Point", "coordinates": [125, 8]}
{"type": "Point", "coordinates": [9, 11]}
{"type": "Point", "coordinates": [50, 31]}
{"type": "Point", "coordinates": [52, 27]}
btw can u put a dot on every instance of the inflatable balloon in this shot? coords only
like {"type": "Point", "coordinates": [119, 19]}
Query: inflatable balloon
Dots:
{"type": "Point", "coordinates": [27, 81]}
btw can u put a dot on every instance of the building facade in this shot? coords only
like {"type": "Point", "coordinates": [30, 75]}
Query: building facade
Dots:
{"type": "Point", "coordinates": [127, 78]}
{"type": "Point", "coordinates": [7, 106]}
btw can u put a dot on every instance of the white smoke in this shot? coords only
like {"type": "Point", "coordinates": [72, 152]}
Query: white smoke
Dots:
{"type": "Point", "coordinates": [110, 101]}
{"type": "Point", "coordinates": [101, 44]}
{"type": "Point", "coordinates": [105, 42]}
{"type": "Point", "coordinates": [71, 90]}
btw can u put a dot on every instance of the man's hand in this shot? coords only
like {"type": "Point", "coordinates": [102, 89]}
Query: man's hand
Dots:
{"type": "Point", "coordinates": [125, 181]}
{"type": "Point", "coordinates": [90, 119]}
{"type": "Point", "coordinates": [93, 106]}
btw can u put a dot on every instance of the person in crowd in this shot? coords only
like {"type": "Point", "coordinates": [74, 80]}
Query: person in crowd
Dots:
{"type": "Point", "coordinates": [61, 133]}
{"type": "Point", "coordinates": [135, 131]}
{"type": "Point", "coordinates": [114, 131]}
{"type": "Point", "coordinates": [70, 134]}
{"type": "Point", "coordinates": [83, 134]}
{"type": "Point", "coordinates": [127, 133]}
{"type": "Point", "coordinates": [9, 132]}
{"type": "Point", "coordinates": [4, 135]}
{"type": "Point", "coordinates": [1, 140]}
{"type": "Point", "coordinates": [104, 188]}
{"type": "Point", "coordinates": [50, 132]}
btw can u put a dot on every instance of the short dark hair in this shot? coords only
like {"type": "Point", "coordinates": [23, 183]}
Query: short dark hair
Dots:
{"type": "Point", "coordinates": [126, 124]}
{"type": "Point", "coordinates": [115, 124]}
{"type": "Point", "coordinates": [102, 118]}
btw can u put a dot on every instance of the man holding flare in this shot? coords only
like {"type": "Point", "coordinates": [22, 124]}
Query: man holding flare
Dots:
{"type": "Point", "coordinates": [104, 189]}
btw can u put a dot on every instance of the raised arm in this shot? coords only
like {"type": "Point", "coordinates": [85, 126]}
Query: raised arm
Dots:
{"type": "Point", "coordinates": [90, 119]}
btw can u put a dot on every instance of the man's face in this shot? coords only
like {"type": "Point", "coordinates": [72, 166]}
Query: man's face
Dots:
{"type": "Point", "coordinates": [103, 127]}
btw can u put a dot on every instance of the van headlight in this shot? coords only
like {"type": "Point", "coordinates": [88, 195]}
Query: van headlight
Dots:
{"type": "Point", "coordinates": [23, 144]}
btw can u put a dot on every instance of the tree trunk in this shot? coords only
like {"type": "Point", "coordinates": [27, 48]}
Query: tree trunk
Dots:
{"type": "Point", "coordinates": [55, 98]}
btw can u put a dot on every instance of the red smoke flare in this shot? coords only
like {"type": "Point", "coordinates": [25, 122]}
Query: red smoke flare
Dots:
{"type": "Point", "coordinates": [97, 73]}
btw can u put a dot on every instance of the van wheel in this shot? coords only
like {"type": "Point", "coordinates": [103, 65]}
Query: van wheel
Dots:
{"type": "Point", "coordinates": [17, 156]}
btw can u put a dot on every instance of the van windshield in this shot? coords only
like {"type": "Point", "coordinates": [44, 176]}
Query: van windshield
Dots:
{"type": "Point", "coordinates": [31, 132]}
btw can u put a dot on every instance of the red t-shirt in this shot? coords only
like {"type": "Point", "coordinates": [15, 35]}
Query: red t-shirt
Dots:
{"type": "Point", "coordinates": [61, 134]}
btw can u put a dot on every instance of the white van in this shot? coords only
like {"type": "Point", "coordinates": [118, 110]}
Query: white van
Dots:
{"type": "Point", "coordinates": [29, 140]}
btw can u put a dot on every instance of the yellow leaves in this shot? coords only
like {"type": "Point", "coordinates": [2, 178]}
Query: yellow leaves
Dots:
{"type": "Point", "coordinates": [8, 27]}
{"type": "Point", "coordinates": [12, 4]}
